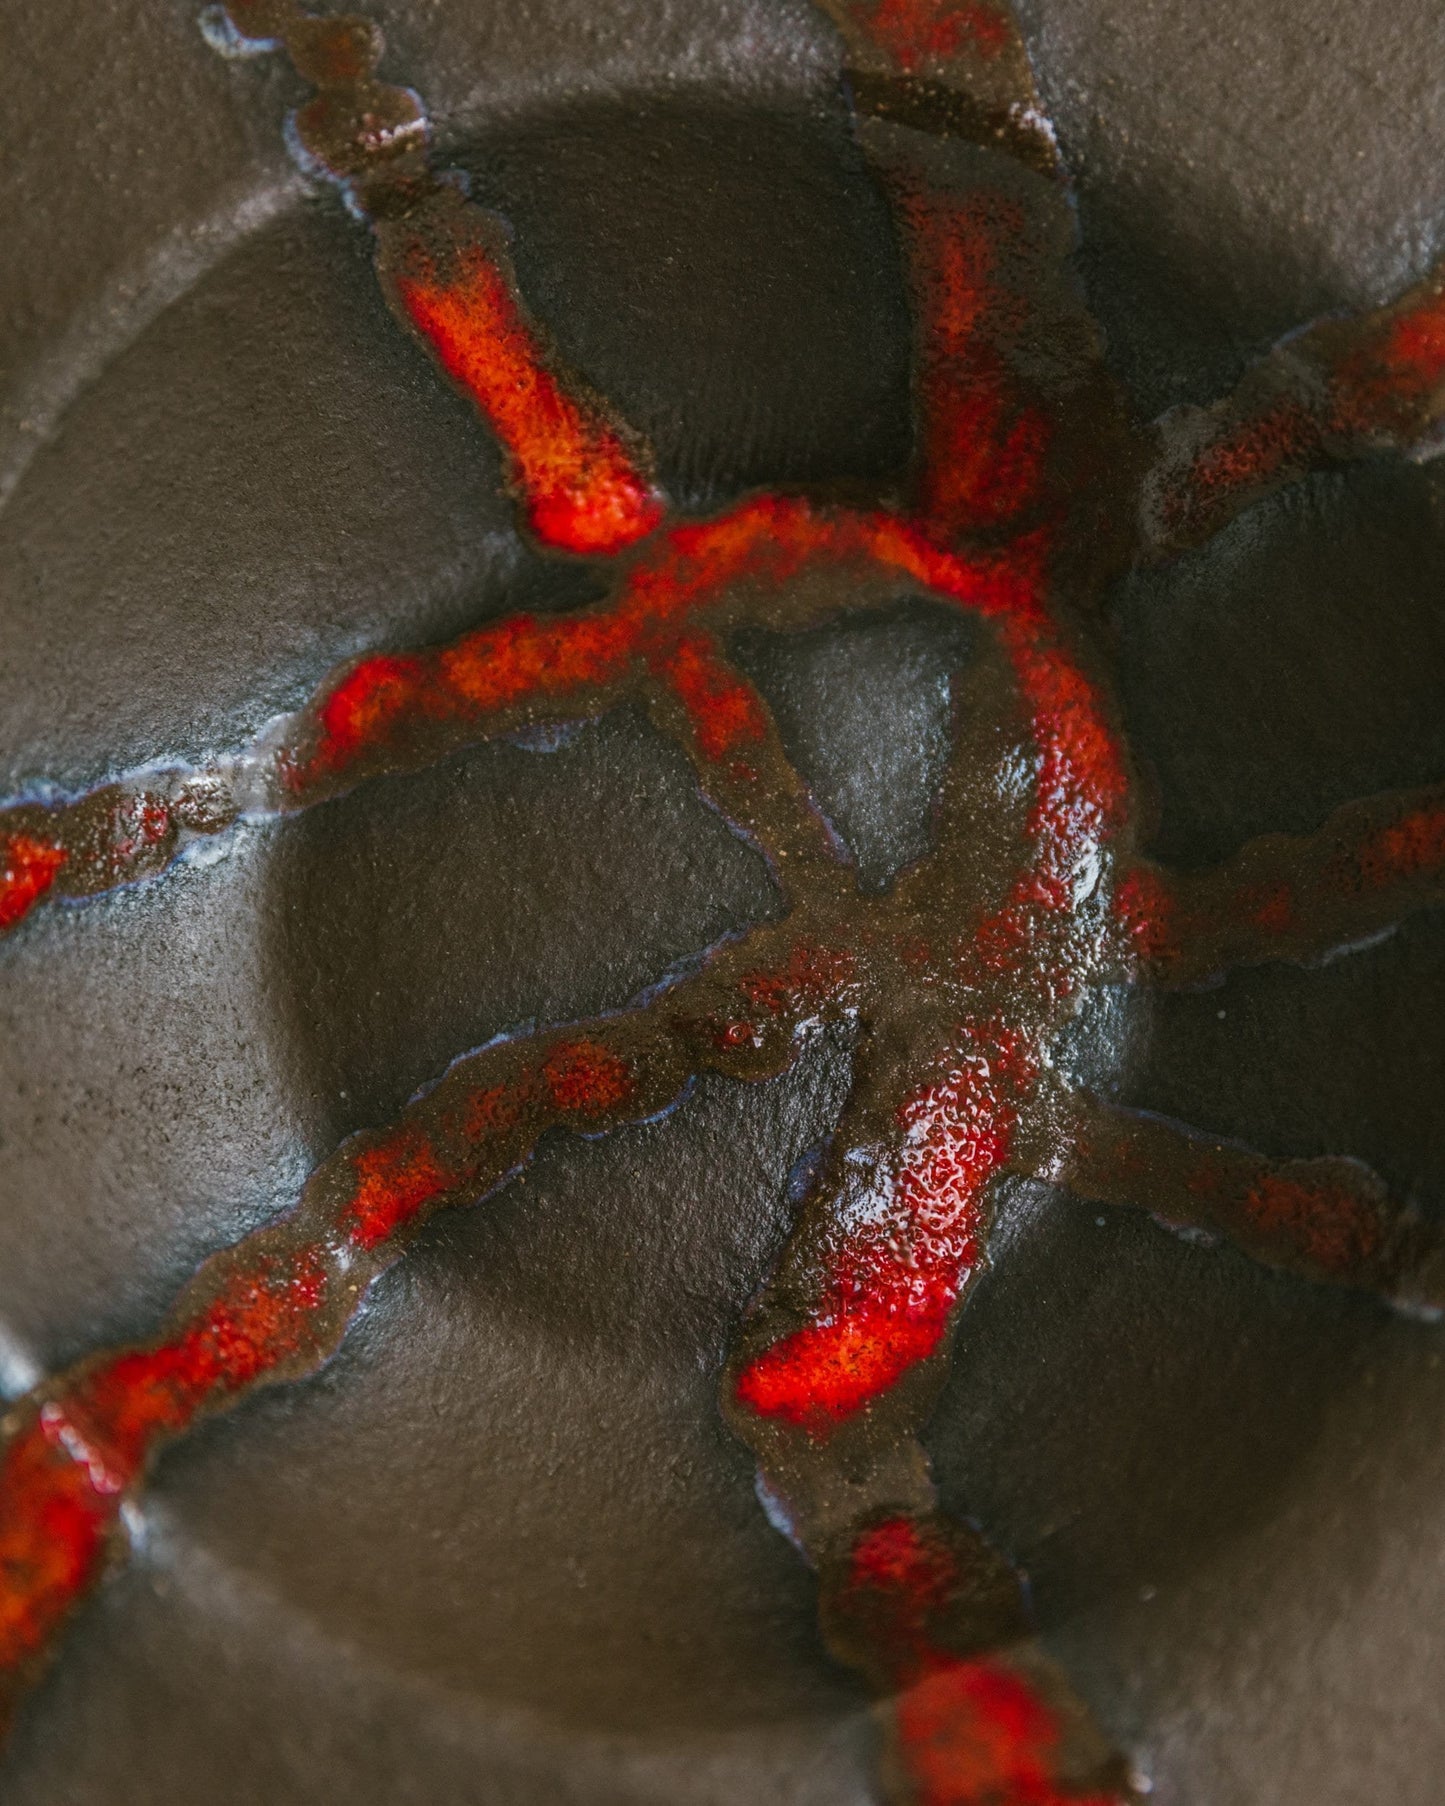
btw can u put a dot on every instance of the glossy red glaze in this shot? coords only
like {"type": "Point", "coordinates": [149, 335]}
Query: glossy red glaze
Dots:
{"type": "Point", "coordinates": [367, 703]}
{"type": "Point", "coordinates": [260, 1319]}
{"type": "Point", "coordinates": [586, 1079]}
{"type": "Point", "coordinates": [974, 1733]}
{"type": "Point", "coordinates": [28, 868]}
{"type": "Point", "coordinates": [969, 1729]}
{"type": "Point", "coordinates": [895, 1280]}
{"type": "Point", "coordinates": [541, 664]}
{"type": "Point", "coordinates": [725, 712]}
{"type": "Point", "coordinates": [1410, 848]}
{"type": "Point", "coordinates": [1414, 354]}
{"type": "Point", "coordinates": [984, 442]}
{"type": "Point", "coordinates": [1144, 905]}
{"type": "Point", "coordinates": [581, 489]}
{"type": "Point", "coordinates": [64, 1476]}
{"type": "Point", "coordinates": [1250, 454]}
{"type": "Point", "coordinates": [811, 972]}
{"type": "Point", "coordinates": [55, 1524]}
{"type": "Point", "coordinates": [1331, 1228]}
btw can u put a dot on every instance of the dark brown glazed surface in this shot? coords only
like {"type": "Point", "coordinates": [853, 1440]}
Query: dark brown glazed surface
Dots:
{"type": "Point", "coordinates": [505, 1533]}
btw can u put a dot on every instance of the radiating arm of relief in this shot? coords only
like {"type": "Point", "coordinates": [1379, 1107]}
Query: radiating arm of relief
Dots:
{"type": "Point", "coordinates": [1340, 390]}
{"type": "Point", "coordinates": [835, 1374]}
{"type": "Point", "coordinates": [1292, 897]}
{"type": "Point", "coordinates": [1019, 425]}
{"type": "Point", "coordinates": [971, 1709]}
{"type": "Point", "coordinates": [582, 478]}
{"type": "Point", "coordinates": [955, 67]}
{"type": "Point", "coordinates": [275, 1305]}
{"type": "Point", "coordinates": [1328, 1219]}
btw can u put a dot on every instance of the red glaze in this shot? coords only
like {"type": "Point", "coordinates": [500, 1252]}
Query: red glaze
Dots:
{"type": "Point", "coordinates": [278, 1301]}
{"type": "Point", "coordinates": [403, 1175]}
{"type": "Point", "coordinates": [811, 973]}
{"type": "Point", "coordinates": [55, 1525]}
{"type": "Point", "coordinates": [1291, 898]}
{"type": "Point", "coordinates": [367, 703]}
{"type": "Point", "coordinates": [394, 1181]}
{"type": "Point", "coordinates": [562, 663]}
{"type": "Point", "coordinates": [974, 1733]}
{"type": "Point", "coordinates": [918, 32]}
{"type": "Point", "coordinates": [259, 1320]}
{"type": "Point", "coordinates": [28, 868]}
{"type": "Point", "coordinates": [893, 1282]}
{"type": "Point", "coordinates": [64, 1475]}
{"type": "Point", "coordinates": [1404, 850]}
{"type": "Point", "coordinates": [581, 489]}
{"type": "Point", "coordinates": [953, 1131]}
{"type": "Point", "coordinates": [1374, 383]}
{"type": "Point", "coordinates": [1383, 382]}
{"type": "Point", "coordinates": [1414, 351]}
{"type": "Point", "coordinates": [1248, 456]}
{"type": "Point", "coordinates": [725, 712]}
{"type": "Point", "coordinates": [1330, 1228]}
{"type": "Point", "coordinates": [586, 1079]}
{"type": "Point", "coordinates": [1270, 907]}
{"type": "Point", "coordinates": [1145, 906]}
{"type": "Point", "coordinates": [395, 708]}
{"type": "Point", "coordinates": [967, 1730]}
{"type": "Point", "coordinates": [984, 443]}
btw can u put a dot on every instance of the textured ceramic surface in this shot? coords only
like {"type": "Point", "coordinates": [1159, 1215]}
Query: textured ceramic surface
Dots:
{"type": "Point", "coordinates": [504, 1547]}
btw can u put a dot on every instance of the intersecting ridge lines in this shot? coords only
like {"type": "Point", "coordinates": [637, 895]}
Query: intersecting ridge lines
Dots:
{"type": "Point", "coordinates": [1032, 486]}
{"type": "Point", "coordinates": [401, 711]}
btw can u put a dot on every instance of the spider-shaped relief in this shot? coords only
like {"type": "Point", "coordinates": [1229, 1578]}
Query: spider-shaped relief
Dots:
{"type": "Point", "coordinates": [1033, 488]}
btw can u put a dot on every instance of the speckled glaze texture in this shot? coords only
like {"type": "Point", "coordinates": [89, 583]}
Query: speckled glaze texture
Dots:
{"type": "Point", "coordinates": [703, 647]}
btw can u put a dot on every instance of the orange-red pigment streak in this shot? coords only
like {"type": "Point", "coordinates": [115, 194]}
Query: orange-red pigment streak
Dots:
{"type": "Point", "coordinates": [393, 711]}
{"type": "Point", "coordinates": [533, 663]}
{"type": "Point", "coordinates": [278, 1300]}
{"type": "Point", "coordinates": [1290, 898]}
{"type": "Point", "coordinates": [28, 868]}
{"type": "Point", "coordinates": [725, 712]}
{"type": "Point", "coordinates": [63, 1477]}
{"type": "Point", "coordinates": [1385, 384]}
{"type": "Point", "coordinates": [984, 445]}
{"type": "Point", "coordinates": [1402, 851]}
{"type": "Point", "coordinates": [581, 489]}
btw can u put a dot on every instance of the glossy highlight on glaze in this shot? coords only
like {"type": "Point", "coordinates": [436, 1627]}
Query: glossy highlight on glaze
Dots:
{"type": "Point", "coordinates": [30, 867]}
{"type": "Point", "coordinates": [1032, 487]}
